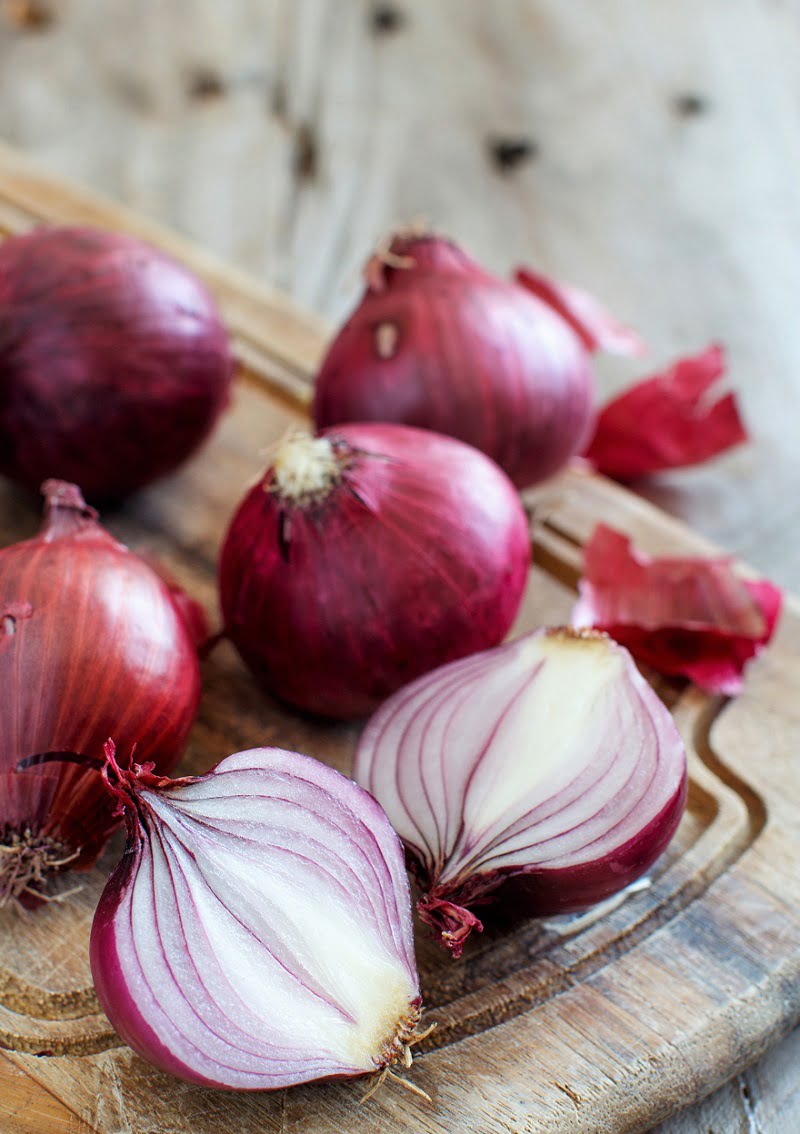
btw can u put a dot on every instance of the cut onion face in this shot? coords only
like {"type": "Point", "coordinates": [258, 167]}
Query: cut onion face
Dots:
{"type": "Point", "coordinates": [544, 775]}
{"type": "Point", "coordinates": [257, 933]}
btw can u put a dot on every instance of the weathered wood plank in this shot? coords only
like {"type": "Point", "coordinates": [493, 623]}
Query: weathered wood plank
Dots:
{"type": "Point", "coordinates": [653, 164]}
{"type": "Point", "coordinates": [586, 1014]}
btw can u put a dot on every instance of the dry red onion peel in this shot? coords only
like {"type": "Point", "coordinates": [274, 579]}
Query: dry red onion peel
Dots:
{"type": "Point", "coordinates": [114, 363]}
{"type": "Point", "coordinates": [592, 323]}
{"type": "Point", "coordinates": [668, 421]}
{"type": "Point", "coordinates": [366, 556]}
{"type": "Point", "coordinates": [439, 343]}
{"type": "Point", "coordinates": [90, 641]}
{"type": "Point", "coordinates": [543, 776]}
{"type": "Point", "coordinates": [685, 616]}
{"type": "Point", "coordinates": [257, 933]}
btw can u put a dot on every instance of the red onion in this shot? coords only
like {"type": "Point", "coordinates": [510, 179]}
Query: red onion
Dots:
{"type": "Point", "coordinates": [544, 775]}
{"type": "Point", "coordinates": [366, 557]}
{"type": "Point", "coordinates": [90, 643]}
{"type": "Point", "coordinates": [114, 364]}
{"type": "Point", "coordinates": [437, 342]}
{"type": "Point", "coordinates": [257, 933]}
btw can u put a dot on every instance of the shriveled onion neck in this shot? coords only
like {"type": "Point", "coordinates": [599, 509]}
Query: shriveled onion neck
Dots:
{"type": "Point", "coordinates": [414, 249]}
{"type": "Point", "coordinates": [65, 511]}
{"type": "Point", "coordinates": [306, 468]}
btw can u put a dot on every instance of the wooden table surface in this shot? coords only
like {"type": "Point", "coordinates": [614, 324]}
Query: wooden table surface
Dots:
{"type": "Point", "coordinates": [648, 151]}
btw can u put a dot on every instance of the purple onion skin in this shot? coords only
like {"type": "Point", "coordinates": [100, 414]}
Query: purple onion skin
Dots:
{"type": "Point", "coordinates": [114, 364]}
{"type": "Point", "coordinates": [417, 557]}
{"type": "Point", "coordinates": [517, 895]}
{"type": "Point", "coordinates": [475, 356]}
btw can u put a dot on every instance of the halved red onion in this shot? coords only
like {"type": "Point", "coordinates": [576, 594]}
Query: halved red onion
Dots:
{"type": "Point", "coordinates": [668, 421]}
{"type": "Point", "coordinates": [257, 933]}
{"type": "Point", "coordinates": [685, 616]}
{"type": "Point", "coordinates": [544, 775]}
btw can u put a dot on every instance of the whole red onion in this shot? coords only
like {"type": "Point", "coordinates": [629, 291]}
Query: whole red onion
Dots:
{"type": "Point", "coordinates": [91, 643]}
{"type": "Point", "coordinates": [440, 343]}
{"type": "Point", "coordinates": [114, 365]}
{"type": "Point", "coordinates": [257, 933]}
{"type": "Point", "coordinates": [367, 556]}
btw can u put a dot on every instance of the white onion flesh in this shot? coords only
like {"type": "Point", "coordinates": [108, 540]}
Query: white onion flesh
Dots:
{"type": "Point", "coordinates": [549, 761]}
{"type": "Point", "coordinates": [258, 932]}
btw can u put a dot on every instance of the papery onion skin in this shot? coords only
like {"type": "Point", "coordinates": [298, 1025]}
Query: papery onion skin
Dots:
{"type": "Point", "coordinates": [207, 856]}
{"type": "Point", "coordinates": [90, 642]}
{"type": "Point", "coordinates": [114, 363]}
{"type": "Point", "coordinates": [686, 616]}
{"type": "Point", "coordinates": [595, 327]}
{"type": "Point", "coordinates": [550, 841]}
{"type": "Point", "coordinates": [418, 554]}
{"type": "Point", "coordinates": [439, 343]}
{"type": "Point", "coordinates": [667, 421]}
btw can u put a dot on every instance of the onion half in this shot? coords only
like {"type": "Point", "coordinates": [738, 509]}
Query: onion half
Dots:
{"type": "Point", "coordinates": [544, 775]}
{"type": "Point", "coordinates": [257, 933]}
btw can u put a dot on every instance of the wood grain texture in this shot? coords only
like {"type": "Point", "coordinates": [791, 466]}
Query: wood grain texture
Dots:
{"type": "Point", "coordinates": [612, 1027]}
{"type": "Point", "coordinates": [650, 176]}
{"type": "Point", "coordinates": [287, 135]}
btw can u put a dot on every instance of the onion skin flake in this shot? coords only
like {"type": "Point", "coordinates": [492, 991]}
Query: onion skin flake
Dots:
{"type": "Point", "coordinates": [668, 421]}
{"type": "Point", "coordinates": [685, 617]}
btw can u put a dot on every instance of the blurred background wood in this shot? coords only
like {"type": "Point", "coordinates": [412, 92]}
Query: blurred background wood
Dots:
{"type": "Point", "coordinates": [647, 151]}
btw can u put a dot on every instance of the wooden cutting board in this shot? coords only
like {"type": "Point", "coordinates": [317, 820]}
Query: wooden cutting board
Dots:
{"type": "Point", "coordinates": [553, 1027]}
